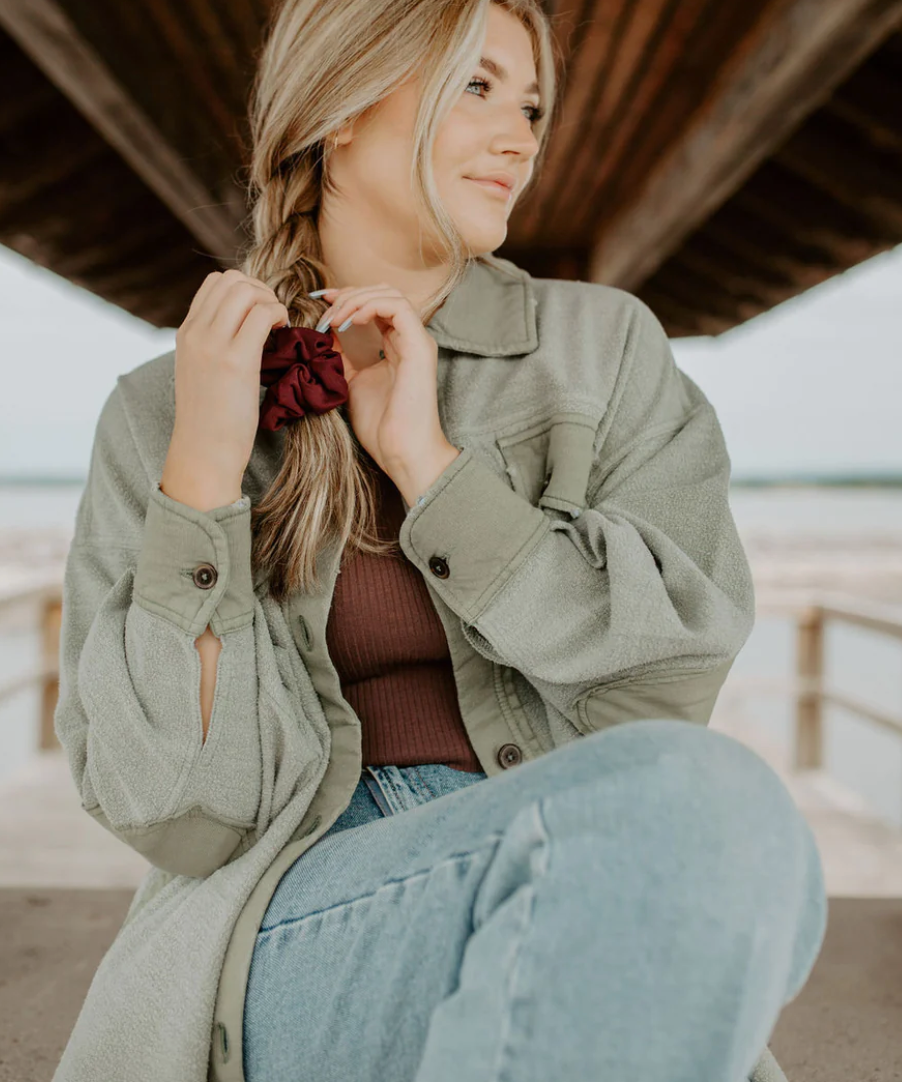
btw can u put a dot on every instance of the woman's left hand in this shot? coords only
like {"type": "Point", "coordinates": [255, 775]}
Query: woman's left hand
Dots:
{"type": "Point", "coordinates": [393, 404]}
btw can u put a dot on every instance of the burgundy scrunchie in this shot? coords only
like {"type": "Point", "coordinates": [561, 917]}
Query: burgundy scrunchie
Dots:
{"type": "Point", "coordinates": [303, 373]}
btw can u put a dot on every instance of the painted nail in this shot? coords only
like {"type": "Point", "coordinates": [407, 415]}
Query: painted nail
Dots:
{"type": "Point", "coordinates": [317, 292]}
{"type": "Point", "coordinates": [323, 325]}
{"type": "Point", "coordinates": [346, 324]}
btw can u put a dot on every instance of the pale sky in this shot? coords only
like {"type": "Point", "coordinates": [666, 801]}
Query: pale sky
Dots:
{"type": "Point", "coordinates": [815, 385]}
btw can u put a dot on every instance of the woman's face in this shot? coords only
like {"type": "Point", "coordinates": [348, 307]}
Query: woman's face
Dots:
{"type": "Point", "coordinates": [489, 130]}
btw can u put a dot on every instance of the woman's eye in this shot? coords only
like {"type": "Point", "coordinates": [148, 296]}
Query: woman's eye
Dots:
{"type": "Point", "coordinates": [535, 111]}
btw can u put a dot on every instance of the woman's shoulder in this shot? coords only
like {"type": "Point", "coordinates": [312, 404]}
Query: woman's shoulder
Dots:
{"type": "Point", "coordinates": [592, 337]}
{"type": "Point", "coordinates": [148, 391]}
{"type": "Point", "coordinates": [141, 407]}
{"type": "Point", "coordinates": [134, 428]}
{"type": "Point", "coordinates": [590, 307]}
{"type": "Point", "coordinates": [575, 301]}
{"type": "Point", "coordinates": [131, 440]}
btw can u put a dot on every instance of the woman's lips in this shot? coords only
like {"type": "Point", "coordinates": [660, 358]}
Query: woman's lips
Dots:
{"type": "Point", "coordinates": [493, 186]}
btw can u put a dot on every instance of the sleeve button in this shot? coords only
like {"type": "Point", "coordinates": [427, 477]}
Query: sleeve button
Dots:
{"type": "Point", "coordinates": [205, 576]}
{"type": "Point", "coordinates": [439, 567]}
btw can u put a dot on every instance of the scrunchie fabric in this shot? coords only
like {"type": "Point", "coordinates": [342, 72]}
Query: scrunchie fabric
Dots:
{"type": "Point", "coordinates": [302, 372]}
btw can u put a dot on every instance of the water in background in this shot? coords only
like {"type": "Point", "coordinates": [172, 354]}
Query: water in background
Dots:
{"type": "Point", "coordinates": [42, 506]}
{"type": "Point", "coordinates": [847, 537]}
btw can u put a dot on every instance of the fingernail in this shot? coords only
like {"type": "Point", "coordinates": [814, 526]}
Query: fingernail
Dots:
{"type": "Point", "coordinates": [346, 324]}
{"type": "Point", "coordinates": [323, 325]}
{"type": "Point", "coordinates": [317, 292]}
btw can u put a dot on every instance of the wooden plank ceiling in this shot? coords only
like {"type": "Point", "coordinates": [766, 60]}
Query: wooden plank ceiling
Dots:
{"type": "Point", "coordinates": [715, 157]}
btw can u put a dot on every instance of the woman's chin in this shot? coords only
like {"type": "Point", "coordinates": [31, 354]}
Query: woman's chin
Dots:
{"type": "Point", "coordinates": [484, 236]}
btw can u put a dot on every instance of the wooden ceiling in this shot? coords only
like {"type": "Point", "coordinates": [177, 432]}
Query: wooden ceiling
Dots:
{"type": "Point", "coordinates": [715, 157]}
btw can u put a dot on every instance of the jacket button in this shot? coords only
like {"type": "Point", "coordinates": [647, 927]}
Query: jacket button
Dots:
{"type": "Point", "coordinates": [205, 576]}
{"type": "Point", "coordinates": [439, 567]}
{"type": "Point", "coordinates": [509, 755]}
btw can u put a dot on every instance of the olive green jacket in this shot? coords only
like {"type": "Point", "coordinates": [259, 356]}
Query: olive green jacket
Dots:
{"type": "Point", "coordinates": [581, 555]}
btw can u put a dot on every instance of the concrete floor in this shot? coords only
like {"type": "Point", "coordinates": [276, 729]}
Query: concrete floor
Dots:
{"type": "Point", "coordinates": [47, 840]}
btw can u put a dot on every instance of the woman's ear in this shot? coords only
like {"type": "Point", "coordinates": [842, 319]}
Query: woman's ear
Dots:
{"type": "Point", "coordinates": [343, 136]}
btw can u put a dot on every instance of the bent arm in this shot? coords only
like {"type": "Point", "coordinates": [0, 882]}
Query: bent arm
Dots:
{"type": "Point", "coordinates": [638, 606]}
{"type": "Point", "coordinates": [189, 795]}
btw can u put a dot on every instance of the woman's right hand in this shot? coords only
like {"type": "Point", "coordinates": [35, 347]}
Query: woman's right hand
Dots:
{"type": "Point", "coordinates": [218, 355]}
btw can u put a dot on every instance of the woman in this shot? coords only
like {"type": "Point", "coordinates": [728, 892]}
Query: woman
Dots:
{"type": "Point", "coordinates": [349, 879]}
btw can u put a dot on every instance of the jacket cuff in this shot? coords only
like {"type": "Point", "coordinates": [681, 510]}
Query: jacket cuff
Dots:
{"type": "Point", "coordinates": [194, 567]}
{"type": "Point", "coordinates": [685, 696]}
{"type": "Point", "coordinates": [192, 844]}
{"type": "Point", "coordinates": [469, 533]}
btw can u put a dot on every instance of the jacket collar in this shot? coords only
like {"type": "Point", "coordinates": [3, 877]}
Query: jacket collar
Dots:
{"type": "Point", "coordinates": [491, 312]}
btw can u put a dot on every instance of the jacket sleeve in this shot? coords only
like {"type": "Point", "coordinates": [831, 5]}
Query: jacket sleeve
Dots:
{"type": "Point", "coordinates": [638, 606]}
{"type": "Point", "coordinates": [128, 714]}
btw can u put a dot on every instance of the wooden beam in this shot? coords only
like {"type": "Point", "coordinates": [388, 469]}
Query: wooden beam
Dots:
{"type": "Point", "coordinates": [683, 39]}
{"type": "Point", "coordinates": [872, 101]}
{"type": "Point", "coordinates": [833, 157]}
{"type": "Point", "coordinates": [45, 33]}
{"type": "Point", "coordinates": [592, 41]}
{"type": "Point", "coordinates": [670, 311]}
{"type": "Point", "coordinates": [753, 244]}
{"type": "Point", "coordinates": [788, 205]}
{"type": "Point", "coordinates": [786, 69]}
{"type": "Point", "coordinates": [543, 262]}
{"type": "Point", "coordinates": [731, 275]}
{"type": "Point", "coordinates": [694, 290]}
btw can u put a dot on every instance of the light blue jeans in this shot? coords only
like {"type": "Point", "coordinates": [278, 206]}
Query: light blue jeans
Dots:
{"type": "Point", "coordinates": [635, 906]}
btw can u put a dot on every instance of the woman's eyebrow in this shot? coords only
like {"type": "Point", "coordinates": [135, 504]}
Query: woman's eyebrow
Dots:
{"type": "Point", "coordinates": [494, 68]}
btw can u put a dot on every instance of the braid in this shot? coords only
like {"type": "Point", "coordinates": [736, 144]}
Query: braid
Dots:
{"type": "Point", "coordinates": [289, 258]}
{"type": "Point", "coordinates": [324, 491]}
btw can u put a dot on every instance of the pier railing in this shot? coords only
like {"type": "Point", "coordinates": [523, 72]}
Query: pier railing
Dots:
{"type": "Point", "coordinates": [42, 606]}
{"type": "Point", "coordinates": [812, 612]}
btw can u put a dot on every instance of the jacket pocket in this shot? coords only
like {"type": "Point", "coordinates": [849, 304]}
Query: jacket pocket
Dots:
{"type": "Point", "coordinates": [549, 461]}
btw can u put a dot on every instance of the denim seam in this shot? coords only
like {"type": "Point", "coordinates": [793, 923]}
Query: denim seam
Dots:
{"type": "Point", "coordinates": [380, 797]}
{"type": "Point", "coordinates": [377, 773]}
{"type": "Point", "coordinates": [421, 781]}
{"type": "Point", "coordinates": [507, 1043]}
{"type": "Point", "coordinates": [491, 840]}
{"type": "Point", "coordinates": [396, 792]}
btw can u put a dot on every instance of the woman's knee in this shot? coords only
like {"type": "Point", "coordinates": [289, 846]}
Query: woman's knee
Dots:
{"type": "Point", "coordinates": [702, 786]}
{"type": "Point", "coordinates": [696, 754]}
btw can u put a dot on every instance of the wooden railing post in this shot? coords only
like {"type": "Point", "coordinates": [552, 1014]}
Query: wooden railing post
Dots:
{"type": "Point", "coordinates": [809, 743]}
{"type": "Point", "coordinates": [50, 643]}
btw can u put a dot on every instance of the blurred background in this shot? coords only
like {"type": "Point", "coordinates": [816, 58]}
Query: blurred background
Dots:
{"type": "Point", "coordinates": [738, 166]}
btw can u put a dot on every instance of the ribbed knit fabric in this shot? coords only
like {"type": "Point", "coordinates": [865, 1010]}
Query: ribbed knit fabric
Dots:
{"type": "Point", "coordinates": [389, 647]}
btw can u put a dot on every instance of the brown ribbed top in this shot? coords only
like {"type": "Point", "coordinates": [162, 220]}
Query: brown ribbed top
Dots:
{"type": "Point", "coordinates": [391, 652]}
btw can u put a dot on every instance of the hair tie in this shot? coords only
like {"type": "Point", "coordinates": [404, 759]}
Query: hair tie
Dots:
{"type": "Point", "coordinates": [303, 373]}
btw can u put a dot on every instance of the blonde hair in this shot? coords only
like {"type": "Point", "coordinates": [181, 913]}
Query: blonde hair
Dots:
{"type": "Point", "coordinates": [322, 65]}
